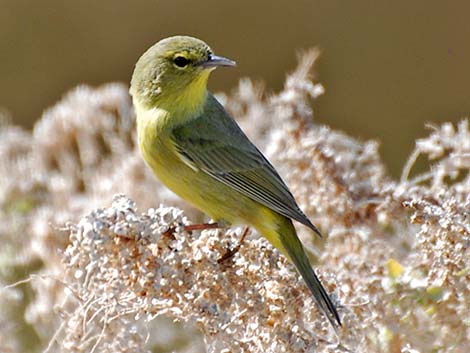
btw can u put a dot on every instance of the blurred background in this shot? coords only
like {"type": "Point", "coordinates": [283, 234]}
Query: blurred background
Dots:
{"type": "Point", "coordinates": [388, 67]}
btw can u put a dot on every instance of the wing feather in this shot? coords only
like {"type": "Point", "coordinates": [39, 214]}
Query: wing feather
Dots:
{"type": "Point", "coordinates": [234, 160]}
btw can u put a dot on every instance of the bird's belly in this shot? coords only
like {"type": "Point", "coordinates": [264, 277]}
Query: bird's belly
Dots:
{"type": "Point", "coordinates": [204, 192]}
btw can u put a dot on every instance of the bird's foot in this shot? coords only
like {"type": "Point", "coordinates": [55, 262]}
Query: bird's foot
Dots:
{"type": "Point", "coordinates": [189, 228]}
{"type": "Point", "coordinates": [230, 252]}
{"type": "Point", "coordinates": [169, 232]}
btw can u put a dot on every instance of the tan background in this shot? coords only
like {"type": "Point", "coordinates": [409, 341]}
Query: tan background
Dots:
{"type": "Point", "coordinates": [387, 67]}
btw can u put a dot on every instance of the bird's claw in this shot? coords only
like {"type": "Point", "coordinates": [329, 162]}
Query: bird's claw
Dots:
{"type": "Point", "coordinates": [230, 252]}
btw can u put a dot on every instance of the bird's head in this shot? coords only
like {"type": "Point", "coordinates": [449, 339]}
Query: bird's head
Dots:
{"type": "Point", "coordinates": [174, 71]}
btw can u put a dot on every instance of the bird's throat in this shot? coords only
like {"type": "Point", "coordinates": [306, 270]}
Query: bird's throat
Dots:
{"type": "Point", "coordinates": [188, 102]}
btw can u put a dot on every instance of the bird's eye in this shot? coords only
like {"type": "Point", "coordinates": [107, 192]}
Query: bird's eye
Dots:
{"type": "Point", "coordinates": [181, 61]}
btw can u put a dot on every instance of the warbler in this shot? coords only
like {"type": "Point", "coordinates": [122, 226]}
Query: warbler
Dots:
{"type": "Point", "coordinates": [197, 150]}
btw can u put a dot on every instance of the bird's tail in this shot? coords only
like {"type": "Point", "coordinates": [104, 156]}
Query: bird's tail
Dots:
{"type": "Point", "coordinates": [295, 251]}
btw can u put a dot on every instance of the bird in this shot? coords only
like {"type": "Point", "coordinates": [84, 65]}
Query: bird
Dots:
{"type": "Point", "coordinates": [196, 148]}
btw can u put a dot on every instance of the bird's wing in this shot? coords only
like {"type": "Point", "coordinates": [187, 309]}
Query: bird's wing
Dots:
{"type": "Point", "coordinates": [213, 143]}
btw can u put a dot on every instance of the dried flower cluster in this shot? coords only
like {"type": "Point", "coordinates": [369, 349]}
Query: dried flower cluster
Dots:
{"type": "Point", "coordinates": [396, 259]}
{"type": "Point", "coordinates": [251, 303]}
{"type": "Point", "coordinates": [80, 153]}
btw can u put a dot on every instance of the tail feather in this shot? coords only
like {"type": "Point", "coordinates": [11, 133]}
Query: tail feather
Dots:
{"type": "Point", "coordinates": [294, 249]}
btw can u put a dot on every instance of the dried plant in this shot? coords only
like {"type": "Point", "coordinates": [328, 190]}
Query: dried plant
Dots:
{"type": "Point", "coordinates": [396, 259]}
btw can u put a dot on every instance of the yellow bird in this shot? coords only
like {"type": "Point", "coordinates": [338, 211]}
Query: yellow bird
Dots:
{"type": "Point", "coordinates": [197, 150]}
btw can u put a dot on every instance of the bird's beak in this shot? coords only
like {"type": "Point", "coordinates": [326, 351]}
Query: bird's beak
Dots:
{"type": "Point", "coordinates": [213, 61]}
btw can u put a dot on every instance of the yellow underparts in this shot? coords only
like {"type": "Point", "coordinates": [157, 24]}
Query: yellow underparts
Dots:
{"type": "Point", "coordinates": [214, 198]}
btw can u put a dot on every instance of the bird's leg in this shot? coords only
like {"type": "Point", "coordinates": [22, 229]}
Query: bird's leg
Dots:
{"type": "Point", "coordinates": [201, 226]}
{"type": "Point", "coordinates": [230, 252]}
{"type": "Point", "coordinates": [189, 228]}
